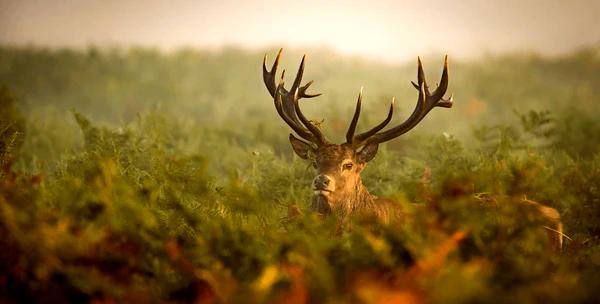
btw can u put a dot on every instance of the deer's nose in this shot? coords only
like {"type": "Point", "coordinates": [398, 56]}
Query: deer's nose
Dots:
{"type": "Point", "coordinates": [322, 182]}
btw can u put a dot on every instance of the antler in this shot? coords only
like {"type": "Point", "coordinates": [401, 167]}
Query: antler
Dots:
{"type": "Point", "coordinates": [286, 102]}
{"type": "Point", "coordinates": [425, 103]}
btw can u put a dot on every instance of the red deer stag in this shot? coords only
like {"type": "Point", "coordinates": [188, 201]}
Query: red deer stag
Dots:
{"type": "Point", "coordinates": [338, 188]}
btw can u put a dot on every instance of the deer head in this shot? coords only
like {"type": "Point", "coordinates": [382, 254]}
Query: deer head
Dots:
{"type": "Point", "coordinates": [337, 187]}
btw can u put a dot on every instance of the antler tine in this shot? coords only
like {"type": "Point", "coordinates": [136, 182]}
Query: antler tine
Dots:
{"type": "Point", "coordinates": [425, 103]}
{"type": "Point", "coordinates": [295, 94]}
{"type": "Point", "coordinates": [404, 127]}
{"type": "Point", "coordinates": [302, 91]}
{"type": "Point", "coordinates": [297, 128]}
{"type": "Point", "coordinates": [354, 122]}
{"type": "Point", "coordinates": [291, 97]}
{"type": "Point", "coordinates": [420, 77]}
{"type": "Point", "coordinates": [318, 135]}
{"type": "Point", "coordinates": [299, 75]}
{"type": "Point", "coordinates": [286, 102]}
{"type": "Point", "coordinates": [438, 94]}
{"type": "Point", "coordinates": [421, 73]}
{"type": "Point", "coordinates": [269, 76]}
{"type": "Point", "coordinates": [362, 136]}
{"type": "Point", "coordinates": [296, 85]}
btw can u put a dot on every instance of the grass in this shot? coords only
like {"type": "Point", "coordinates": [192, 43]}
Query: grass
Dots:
{"type": "Point", "coordinates": [135, 176]}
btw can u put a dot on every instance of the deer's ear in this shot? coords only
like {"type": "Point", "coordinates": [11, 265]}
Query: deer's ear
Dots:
{"type": "Point", "coordinates": [367, 153]}
{"type": "Point", "coordinates": [302, 149]}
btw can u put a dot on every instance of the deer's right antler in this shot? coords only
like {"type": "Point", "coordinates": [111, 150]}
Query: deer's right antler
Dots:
{"type": "Point", "coordinates": [425, 103]}
{"type": "Point", "coordinates": [286, 102]}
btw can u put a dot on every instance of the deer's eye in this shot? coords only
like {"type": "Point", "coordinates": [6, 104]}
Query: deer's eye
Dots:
{"type": "Point", "coordinates": [348, 166]}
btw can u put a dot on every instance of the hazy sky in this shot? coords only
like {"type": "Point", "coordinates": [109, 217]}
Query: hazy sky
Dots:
{"type": "Point", "coordinates": [391, 30]}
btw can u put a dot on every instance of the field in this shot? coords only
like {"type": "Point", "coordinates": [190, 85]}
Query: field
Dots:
{"type": "Point", "coordinates": [132, 175]}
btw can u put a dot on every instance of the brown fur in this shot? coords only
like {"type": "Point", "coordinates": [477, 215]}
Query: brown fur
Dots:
{"type": "Point", "coordinates": [350, 195]}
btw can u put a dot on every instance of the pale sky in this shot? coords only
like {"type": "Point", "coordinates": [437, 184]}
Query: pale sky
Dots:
{"type": "Point", "coordinates": [388, 30]}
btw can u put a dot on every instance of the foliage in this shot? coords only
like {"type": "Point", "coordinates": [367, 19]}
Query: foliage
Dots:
{"type": "Point", "coordinates": [126, 202]}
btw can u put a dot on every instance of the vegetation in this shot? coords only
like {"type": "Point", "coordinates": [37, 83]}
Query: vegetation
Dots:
{"type": "Point", "coordinates": [137, 176]}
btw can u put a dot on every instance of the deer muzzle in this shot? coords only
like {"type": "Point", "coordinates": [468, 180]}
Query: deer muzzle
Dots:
{"type": "Point", "coordinates": [323, 185]}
